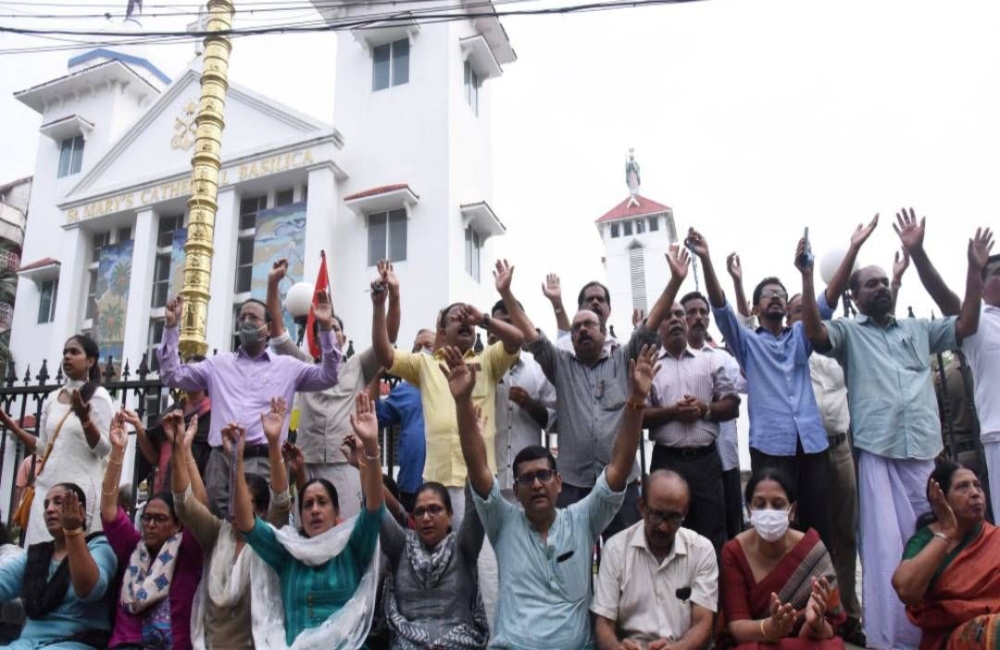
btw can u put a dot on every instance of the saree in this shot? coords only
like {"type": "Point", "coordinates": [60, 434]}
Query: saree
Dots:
{"type": "Point", "coordinates": [961, 609]}
{"type": "Point", "coordinates": [743, 598]}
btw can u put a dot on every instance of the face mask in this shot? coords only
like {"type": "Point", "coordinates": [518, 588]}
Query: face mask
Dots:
{"type": "Point", "coordinates": [251, 337]}
{"type": "Point", "coordinates": [770, 524]}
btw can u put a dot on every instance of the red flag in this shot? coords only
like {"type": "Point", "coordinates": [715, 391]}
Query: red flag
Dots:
{"type": "Point", "coordinates": [322, 285]}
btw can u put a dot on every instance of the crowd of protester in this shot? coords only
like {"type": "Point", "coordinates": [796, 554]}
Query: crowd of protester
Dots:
{"type": "Point", "coordinates": [254, 538]}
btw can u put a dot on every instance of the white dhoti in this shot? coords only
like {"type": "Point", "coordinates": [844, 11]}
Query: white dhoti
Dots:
{"type": "Point", "coordinates": [991, 450]}
{"type": "Point", "coordinates": [892, 494]}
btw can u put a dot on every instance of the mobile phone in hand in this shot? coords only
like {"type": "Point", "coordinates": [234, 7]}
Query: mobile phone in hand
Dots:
{"type": "Point", "coordinates": [806, 258]}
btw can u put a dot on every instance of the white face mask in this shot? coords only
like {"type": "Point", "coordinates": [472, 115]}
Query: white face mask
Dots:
{"type": "Point", "coordinates": [770, 524]}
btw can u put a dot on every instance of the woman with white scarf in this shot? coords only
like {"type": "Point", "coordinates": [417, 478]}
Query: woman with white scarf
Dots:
{"type": "Point", "coordinates": [162, 564]}
{"type": "Point", "coordinates": [72, 433]}
{"type": "Point", "coordinates": [322, 578]}
{"type": "Point", "coordinates": [222, 606]}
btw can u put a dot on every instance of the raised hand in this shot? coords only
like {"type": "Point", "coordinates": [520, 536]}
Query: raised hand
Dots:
{"type": "Point", "coordinates": [292, 455]}
{"type": "Point", "coordinates": [552, 288]}
{"type": "Point", "coordinates": [190, 432]}
{"type": "Point", "coordinates": [80, 408]}
{"type": "Point", "coordinates": [782, 618]}
{"type": "Point", "coordinates": [863, 232]}
{"type": "Point", "coordinates": [278, 272]}
{"type": "Point", "coordinates": [461, 378]}
{"type": "Point", "coordinates": [353, 450]}
{"type": "Point", "coordinates": [679, 261]}
{"type": "Point", "coordinates": [979, 249]}
{"type": "Point", "coordinates": [899, 265]}
{"type": "Point", "coordinates": [503, 273]}
{"type": "Point", "coordinates": [942, 511]}
{"type": "Point", "coordinates": [388, 277]}
{"type": "Point", "coordinates": [116, 432]}
{"type": "Point", "coordinates": [232, 434]}
{"type": "Point", "coordinates": [378, 292]}
{"type": "Point", "coordinates": [910, 231]}
{"type": "Point", "coordinates": [323, 310]}
{"type": "Point", "coordinates": [470, 315]}
{"type": "Point", "coordinates": [696, 242]}
{"type": "Point", "coordinates": [642, 369]}
{"type": "Point", "coordinates": [273, 421]}
{"type": "Point", "coordinates": [172, 423]}
{"type": "Point", "coordinates": [172, 312]}
{"type": "Point", "coordinates": [363, 419]}
{"type": "Point", "coordinates": [800, 263]}
{"type": "Point", "coordinates": [734, 267]}
{"type": "Point", "coordinates": [73, 515]}
{"type": "Point", "coordinates": [132, 418]}
{"type": "Point", "coordinates": [638, 316]}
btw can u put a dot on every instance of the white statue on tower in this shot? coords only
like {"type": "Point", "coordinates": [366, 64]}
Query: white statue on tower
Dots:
{"type": "Point", "coordinates": [632, 173]}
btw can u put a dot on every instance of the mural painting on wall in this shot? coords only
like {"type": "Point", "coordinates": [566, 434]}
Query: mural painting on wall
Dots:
{"type": "Point", "coordinates": [280, 233]}
{"type": "Point", "coordinates": [113, 275]}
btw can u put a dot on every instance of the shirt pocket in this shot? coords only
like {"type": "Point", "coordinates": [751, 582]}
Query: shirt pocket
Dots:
{"type": "Point", "coordinates": [912, 359]}
{"type": "Point", "coordinates": [572, 576]}
{"type": "Point", "coordinates": [611, 394]}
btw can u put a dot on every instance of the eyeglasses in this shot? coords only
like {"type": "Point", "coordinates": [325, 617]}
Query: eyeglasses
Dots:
{"type": "Point", "coordinates": [433, 510]}
{"type": "Point", "coordinates": [773, 293]}
{"type": "Point", "coordinates": [155, 519]}
{"type": "Point", "coordinates": [543, 476]}
{"type": "Point", "coordinates": [656, 518]}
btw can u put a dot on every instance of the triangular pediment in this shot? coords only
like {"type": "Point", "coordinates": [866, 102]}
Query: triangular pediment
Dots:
{"type": "Point", "coordinates": [161, 142]}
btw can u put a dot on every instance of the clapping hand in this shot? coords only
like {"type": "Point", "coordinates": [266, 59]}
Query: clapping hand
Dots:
{"type": "Point", "coordinates": [73, 515]}
{"type": "Point", "coordinates": [273, 421]}
{"type": "Point", "coordinates": [461, 377]}
{"type": "Point", "coordinates": [782, 618]}
{"type": "Point", "coordinates": [816, 607]}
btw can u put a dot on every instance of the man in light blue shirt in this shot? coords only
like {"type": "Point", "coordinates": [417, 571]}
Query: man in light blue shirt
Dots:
{"type": "Point", "coordinates": [544, 552]}
{"type": "Point", "coordinates": [786, 431]}
{"type": "Point", "coordinates": [894, 419]}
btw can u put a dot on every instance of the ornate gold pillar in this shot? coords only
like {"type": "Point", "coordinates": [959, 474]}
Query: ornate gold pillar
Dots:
{"type": "Point", "coordinates": [205, 178]}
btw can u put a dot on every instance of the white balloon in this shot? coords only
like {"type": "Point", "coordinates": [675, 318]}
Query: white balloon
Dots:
{"type": "Point", "coordinates": [830, 262]}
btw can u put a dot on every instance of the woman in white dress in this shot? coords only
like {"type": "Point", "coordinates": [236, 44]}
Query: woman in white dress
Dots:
{"type": "Point", "coordinates": [75, 420]}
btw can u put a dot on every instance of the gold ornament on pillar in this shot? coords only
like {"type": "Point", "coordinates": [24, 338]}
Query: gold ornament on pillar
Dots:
{"type": "Point", "coordinates": [206, 162]}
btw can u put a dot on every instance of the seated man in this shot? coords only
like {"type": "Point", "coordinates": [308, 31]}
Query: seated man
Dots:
{"type": "Point", "coordinates": [659, 583]}
{"type": "Point", "coordinates": [544, 553]}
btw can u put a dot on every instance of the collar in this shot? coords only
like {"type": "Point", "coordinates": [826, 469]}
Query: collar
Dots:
{"type": "Point", "coordinates": [264, 355]}
{"type": "Point", "coordinates": [764, 330]}
{"type": "Point", "coordinates": [865, 319]}
{"type": "Point", "coordinates": [469, 354]}
{"type": "Point", "coordinates": [639, 541]}
{"type": "Point", "coordinates": [688, 352]}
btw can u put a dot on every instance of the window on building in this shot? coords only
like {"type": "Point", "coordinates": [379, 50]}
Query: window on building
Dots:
{"type": "Point", "coordinates": [236, 328]}
{"type": "Point", "coordinates": [387, 236]}
{"type": "Point", "coordinates": [637, 275]}
{"type": "Point", "coordinates": [165, 230]}
{"type": "Point", "coordinates": [614, 230]}
{"type": "Point", "coordinates": [70, 156]}
{"type": "Point", "coordinates": [654, 224]}
{"type": "Point", "coordinates": [391, 64]}
{"type": "Point", "coordinates": [473, 246]}
{"type": "Point", "coordinates": [249, 207]}
{"type": "Point", "coordinates": [284, 197]}
{"type": "Point", "coordinates": [153, 342]}
{"type": "Point", "coordinates": [627, 228]}
{"type": "Point", "coordinates": [47, 301]}
{"type": "Point", "coordinates": [124, 234]}
{"type": "Point", "coordinates": [91, 311]}
{"type": "Point", "coordinates": [640, 226]}
{"type": "Point", "coordinates": [98, 241]}
{"type": "Point", "coordinates": [161, 280]}
{"type": "Point", "coordinates": [472, 84]}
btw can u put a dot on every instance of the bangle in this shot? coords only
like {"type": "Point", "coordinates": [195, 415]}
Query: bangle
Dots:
{"type": "Point", "coordinates": [763, 632]}
{"type": "Point", "coordinates": [377, 456]}
{"type": "Point", "coordinates": [941, 535]}
{"type": "Point", "coordinates": [74, 532]}
{"type": "Point", "coordinates": [118, 460]}
{"type": "Point", "coordinates": [635, 405]}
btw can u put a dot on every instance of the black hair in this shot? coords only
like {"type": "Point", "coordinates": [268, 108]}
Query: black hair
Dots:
{"type": "Point", "coordinates": [944, 474]}
{"type": "Point", "coordinates": [992, 259]}
{"type": "Point", "coordinates": [259, 491]}
{"type": "Point", "coordinates": [770, 474]}
{"type": "Point", "coordinates": [583, 291]}
{"type": "Point", "coordinates": [763, 283]}
{"type": "Point", "coordinates": [695, 295]}
{"type": "Point", "coordinates": [168, 499]}
{"type": "Point", "coordinates": [443, 318]}
{"type": "Point", "coordinates": [75, 489]}
{"type": "Point", "coordinates": [438, 489]}
{"type": "Point", "coordinates": [331, 492]}
{"type": "Point", "coordinates": [340, 322]}
{"type": "Point", "coordinates": [92, 351]}
{"type": "Point", "coordinates": [498, 306]}
{"type": "Point", "coordinates": [533, 452]}
{"type": "Point", "coordinates": [267, 314]}
{"type": "Point", "coordinates": [854, 282]}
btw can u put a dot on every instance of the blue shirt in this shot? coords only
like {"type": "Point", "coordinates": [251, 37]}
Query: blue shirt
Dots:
{"type": "Point", "coordinates": [890, 391]}
{"type": "Point", "coordinates": [545, 586]}
{"type": "Point", "coordinates": [402, 406]}
{"type": "Point", "coordinates": [782, 405]}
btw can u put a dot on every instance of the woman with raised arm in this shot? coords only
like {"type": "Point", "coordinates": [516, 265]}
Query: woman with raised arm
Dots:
{"type": "Point", "coordinates": [221, 613]}
{"type": "Point", "coordinates": [162, 564]}
{"type": "Point", "coordinates": [63, 583]}
{"type": "Point", "coordinates": [72, 433]}
{"type": "Point", "coordinates": [318, 587]}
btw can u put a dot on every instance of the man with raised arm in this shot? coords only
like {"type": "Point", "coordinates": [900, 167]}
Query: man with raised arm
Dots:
{"type": "Point", "coordinates": [591, 386]}
{"type": "Point", "coordinates": [243, 382]}
{"type": "Point", "coordinates": [324, 416]}
{"type": "Point", "coordinates": [894, 419]}
{"type": "Point", "coordinates": [785, 426]}
{"type": "Point", "coordinates": [544, 552]}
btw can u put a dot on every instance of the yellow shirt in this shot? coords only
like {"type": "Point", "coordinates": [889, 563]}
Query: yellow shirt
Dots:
{"type": "Point", "coordinates": [445, 463]}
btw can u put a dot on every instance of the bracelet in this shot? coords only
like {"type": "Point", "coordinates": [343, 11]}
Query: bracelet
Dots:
{"type": "Point", "coordinates": [558, 310]}
{"type": "Point", "coordinates": [117, 461]}
{"type": "Point", "coordinates": [377, 456]}
{"type": "Point", "coordinates": [941, 535]}
{"type": "Point", "coordinates": [635, 405]}
{"type": "Point", "coordinates": [74, 532]}
{"type": "Point", "coordinates": [764, 633]}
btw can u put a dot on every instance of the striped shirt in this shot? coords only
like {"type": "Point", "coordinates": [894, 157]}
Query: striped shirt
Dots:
{"type": "Point", "coordinates": [312, 594]}
{"type": "Point", "coordinates": [700, 375]}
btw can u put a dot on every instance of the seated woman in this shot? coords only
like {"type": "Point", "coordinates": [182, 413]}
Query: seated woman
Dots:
{"type": "Point", "coordinates": [778, 586]}
{"type": "Point", "coordinates": [432, 599]}
{"type": "Point", "coordinates": [949, 578]}
{"type": "Point", "coordinates": [323, 578]}
{"type": "Point", "coordinates": [162, 564]}
{"type": "Point", "coordinates": [63, 584]}
{"type": "Point", "coordinates": [224, 594]}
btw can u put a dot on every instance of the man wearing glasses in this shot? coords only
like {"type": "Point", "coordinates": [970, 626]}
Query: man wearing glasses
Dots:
{"type": "Point", "coordinates": [659, 583]}
{"type": "Point", "coordinates": [785, 426]}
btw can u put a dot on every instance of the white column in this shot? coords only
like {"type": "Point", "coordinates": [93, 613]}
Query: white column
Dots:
{"type": "Point", "coordinates": [321, 210]}
{"type": "Point", "coordinates": [71, 303]}
{"type": "Point", "coordinates": [137, 311]}
{"type": "Point", "coordinates": [220, 306]}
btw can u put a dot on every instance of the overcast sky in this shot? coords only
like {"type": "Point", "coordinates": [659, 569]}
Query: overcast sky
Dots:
{"type": "Point", "coordinates": [750, 118]}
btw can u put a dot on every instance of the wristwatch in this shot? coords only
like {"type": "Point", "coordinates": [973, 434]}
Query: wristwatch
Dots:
{"type": "Point", "coordinates": [485, 323]}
